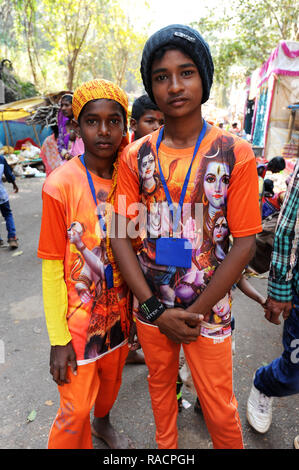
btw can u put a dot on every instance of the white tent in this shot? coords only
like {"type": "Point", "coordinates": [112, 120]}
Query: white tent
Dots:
{"type": "Point", "coordinates": [275, 86]}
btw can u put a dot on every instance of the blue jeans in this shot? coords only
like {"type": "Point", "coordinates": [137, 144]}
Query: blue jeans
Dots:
{"type": "Point", "coordinates": [280, 378]}
{"type": "Point", "coordinates": [10, 224]}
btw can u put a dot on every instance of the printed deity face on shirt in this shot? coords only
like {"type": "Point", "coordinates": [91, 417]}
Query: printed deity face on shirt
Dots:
{"type": "Point", "coordinates": [220, 230]}
{"type": "Point", "coordinates": [147, 166]}
{"type": "Point", "coordinates": [216, 180]}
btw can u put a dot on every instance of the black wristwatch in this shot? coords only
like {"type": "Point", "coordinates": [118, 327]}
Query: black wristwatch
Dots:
{"type": "Point", "coordinates": [151, 309]}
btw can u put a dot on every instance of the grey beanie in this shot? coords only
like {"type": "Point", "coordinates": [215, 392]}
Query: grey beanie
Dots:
{"type": "Point", "coordinates": [191, 42]}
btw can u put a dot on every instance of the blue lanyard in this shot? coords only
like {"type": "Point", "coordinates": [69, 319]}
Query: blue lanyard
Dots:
{"type": "Point", "coordinates": [186, 182]}
{"type": "Point", "coordinates": [93, 192]}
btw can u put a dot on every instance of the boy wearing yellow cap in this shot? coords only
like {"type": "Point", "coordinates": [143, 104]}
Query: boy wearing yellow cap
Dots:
{"type": "Point", "coordinates": [86, 302]}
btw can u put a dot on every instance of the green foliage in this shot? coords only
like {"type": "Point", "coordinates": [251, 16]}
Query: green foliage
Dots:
{"type": "Point", "coordinates": [123, 47]}
{"type": "Point", "coordinates": [58, 44]}
{"type": "Point", "coordinates": [246, 34]}
{"type": "Point", "coordinates": [15, 88]}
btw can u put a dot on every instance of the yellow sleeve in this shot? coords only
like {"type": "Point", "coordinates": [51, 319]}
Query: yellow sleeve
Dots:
{"type": "Point", "coordinates": [55, 302]}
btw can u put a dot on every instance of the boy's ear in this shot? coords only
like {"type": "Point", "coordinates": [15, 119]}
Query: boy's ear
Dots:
{"type": "Point", "coordinates": [133, 124]}
{"type": "Point", "coordinates": [76, 127]}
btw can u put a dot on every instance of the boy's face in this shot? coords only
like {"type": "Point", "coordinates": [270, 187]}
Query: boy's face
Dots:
{"type": "Point", "coordinates": [149, 122]}
{"type": "Point", "coordinates": [102, 128]}
{"type": "Point", "coordinates": [176, 84]}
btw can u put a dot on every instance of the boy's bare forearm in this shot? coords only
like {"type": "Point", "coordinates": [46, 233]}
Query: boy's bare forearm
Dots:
{"type": "Point", "coordinates": [226, 275]}
{"type": "Point", "coordinates": [250, 291]}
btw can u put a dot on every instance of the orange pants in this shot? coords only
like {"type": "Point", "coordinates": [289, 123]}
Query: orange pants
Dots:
{"type": "Point", "coordinates": [96, 384]}
{"type": "Point", "coordinates": [211, 368]}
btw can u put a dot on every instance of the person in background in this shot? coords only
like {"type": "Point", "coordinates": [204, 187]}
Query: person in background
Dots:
{"type": "Point", "coordinates": [272, 202]}
{"type": "Point", "coordinates": [69, 143]}
{"type": "Point", "coordinates": [280, 378]}
{"type": "Point", "coordinates": [235, 129]}
{"type": "Point", "coordinates": [4, 203]}
{"type": "Point", "coordinates": [49, 152]}
{"type": "Point", "coordinates": [145, 117]}
{"type": "Point", "coordinates": [270, 206]}
{"type": "Point", "coordinates": [275, 165]}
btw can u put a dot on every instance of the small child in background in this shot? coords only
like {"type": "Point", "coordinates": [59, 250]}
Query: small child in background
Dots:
{"type": "Point", "coordinates": [4, 203]}
{"type": "Point", "coordinates": [272, 201]}
{"type": "Point", "coordinates": [145, 118]}
{"type": "Point", "coordinates": [275, 165]}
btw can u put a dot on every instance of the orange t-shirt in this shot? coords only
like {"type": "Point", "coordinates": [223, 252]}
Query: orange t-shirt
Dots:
{"type": "Point", "coordinates": [98, 317]}
{"type": "Point", "coordinates": [222, 198]}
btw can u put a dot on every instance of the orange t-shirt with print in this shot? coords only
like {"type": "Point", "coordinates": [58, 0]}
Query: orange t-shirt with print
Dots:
{"type": "Point", "coordinates": [222, 198]}
{"type": "Point", "coordinates": [98, 316]}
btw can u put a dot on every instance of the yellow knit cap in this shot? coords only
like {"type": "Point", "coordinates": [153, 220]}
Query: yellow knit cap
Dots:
{"type": "Point", "coordinates": [98, 89]}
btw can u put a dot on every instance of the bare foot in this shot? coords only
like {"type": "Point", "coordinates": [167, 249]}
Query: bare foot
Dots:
{"type": "Point", "coordinates": [135, 357]}
{"type": "Point", "coordinates": [103, 429]}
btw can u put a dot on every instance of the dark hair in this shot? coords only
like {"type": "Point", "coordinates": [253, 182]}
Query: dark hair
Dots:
{"type": "Point", "coordinates": [55, 130]}
{"type": "Point", "coordinates": [121, 108]}
{"type": "Point", "coordinates": [140, 105]}
{"type": "Point", "coordinates": [276, 164]}
{"type": "Point", "coordinates": [68, 97]}
{"type": "Point", "coordinates": [159, 53]}
{"type": "Point", "coordinates": [269, 186]}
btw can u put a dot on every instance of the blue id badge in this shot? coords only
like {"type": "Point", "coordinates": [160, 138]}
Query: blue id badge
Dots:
{"type": "Point", "coordinates": [109, 276]}
{"type": "Point", "coordinates": [174, 252]}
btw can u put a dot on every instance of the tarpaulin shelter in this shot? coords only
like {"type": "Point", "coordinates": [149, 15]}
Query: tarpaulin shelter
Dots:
{"type": "Point", "coordinates": [13, 126]}
{"type": "Point", "coordinates": [274, 88]}
{"type": "Point", "coordinates": [12, 122]}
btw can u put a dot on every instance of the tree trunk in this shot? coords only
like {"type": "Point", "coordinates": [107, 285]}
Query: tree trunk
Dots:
{"type": "Point", "coordinates": [70, 76]}
{"type": "Point", "coordinates": [73, 56]}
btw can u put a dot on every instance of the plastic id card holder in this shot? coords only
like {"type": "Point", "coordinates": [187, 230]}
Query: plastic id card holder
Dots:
{"type": "Point", "coordinates": [174, 252]}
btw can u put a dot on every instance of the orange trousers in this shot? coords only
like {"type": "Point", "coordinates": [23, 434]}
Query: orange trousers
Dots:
{"type": "Point", "coordinates": [210, 364]}
{"type": "Point", "coordinates": [96, 384]}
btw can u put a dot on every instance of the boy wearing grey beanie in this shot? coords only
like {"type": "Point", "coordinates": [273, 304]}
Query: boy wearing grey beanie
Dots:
{"type": "Point", "coordinates": [180, 271]}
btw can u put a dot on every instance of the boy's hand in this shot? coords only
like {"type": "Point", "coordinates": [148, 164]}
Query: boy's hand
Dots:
{"type": "Point", "coordinates": [15, 187]}
{"type": "Point", "coordinates": [133, 342]}
{"type": "Point", "coordinates": [174, 323]}
{"type": "Point", "coordinates": [262, 300]}
{"type": "Point", "coordinates": [273, 310]}
{"type": "Point", "coordinates": [60, 358]}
